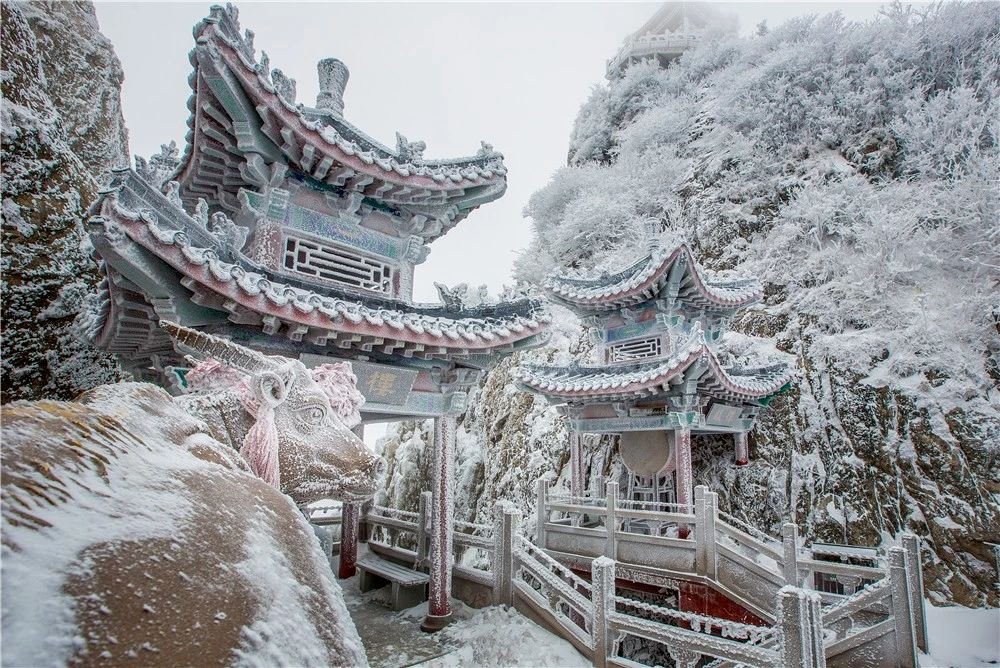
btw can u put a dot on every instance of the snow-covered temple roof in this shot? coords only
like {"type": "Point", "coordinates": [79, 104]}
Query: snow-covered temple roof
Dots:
{"type": "Point", "coordinates": [244, 116]}
{"type": "Point", "coordinates": [649, 278]}
{"type": "Point", "coordinates": [288, 229]}
{"type": "Point", "coordinates": [146, 237]}
{"type": "Point", "coordinates": [691, 361]}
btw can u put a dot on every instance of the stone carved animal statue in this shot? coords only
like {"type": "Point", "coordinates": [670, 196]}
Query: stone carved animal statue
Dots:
{"type": "Point", "coordinates": [283, 418]}
{"type": "Point", "coordinates": [135, 532]}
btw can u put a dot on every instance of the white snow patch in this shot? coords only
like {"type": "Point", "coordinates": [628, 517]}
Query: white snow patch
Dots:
{"type": "Point", "coordinates": [962, 637]}
{"type": "Point", "coordinates": [501, 636]}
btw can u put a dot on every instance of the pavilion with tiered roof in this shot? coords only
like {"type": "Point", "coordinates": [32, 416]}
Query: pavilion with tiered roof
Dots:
{"type": "Point", "coordinates": [286, 228]}
{"type": "Point", "coordinates": [658, 325]}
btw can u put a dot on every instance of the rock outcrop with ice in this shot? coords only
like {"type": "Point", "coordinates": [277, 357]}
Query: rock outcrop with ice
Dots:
{"type": "Point", "coordinates": [62, 129]}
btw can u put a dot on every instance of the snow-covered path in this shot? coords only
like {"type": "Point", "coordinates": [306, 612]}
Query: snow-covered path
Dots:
{"type": "Point", "coordinates": [495, 636]}
{"type": "Point", "coordinates": [962, 637]}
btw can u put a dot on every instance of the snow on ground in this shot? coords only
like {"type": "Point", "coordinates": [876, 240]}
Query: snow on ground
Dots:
{"type": "Point", "coordinates": [501, 636]}
{"type": "Point", "coordinates": [962, 637]}
{"type": "Point", "coordinates": [485, 638]}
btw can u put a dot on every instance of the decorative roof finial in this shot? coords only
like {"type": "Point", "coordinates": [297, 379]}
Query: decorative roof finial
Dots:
{"type": "Point", "coordinates": [333, 76]}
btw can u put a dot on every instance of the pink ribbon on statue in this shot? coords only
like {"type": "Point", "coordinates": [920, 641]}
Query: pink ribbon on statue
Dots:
{"type": "Point", "coordinates": [260, 445]}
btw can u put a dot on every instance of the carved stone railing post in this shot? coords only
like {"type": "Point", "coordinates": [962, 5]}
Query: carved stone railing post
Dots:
{"type": "Point", "coordinates": [575, 464]}
{"type": "Point", "coordinates": [423, 526]}
{"type": "Point", "coordinates": [685, 476]}
{"type": "Point", "coordinates": [602, 572]}
{"type": "Point", "coordinates": [611, 519]}
{"type": "Point", "coordinates": [911, 549]}
{"type": "Point", "coordinates": [700, 542]}
{"type": "Point", "coordinates": [541, 511]}
{"type": "Point", "coordinates": [906, 647]}
{"type": "Point", "coordinates": [711, 515]}
{"type": "Point", "coordinates": [801, 626]}
{"type": "Point", "coordinates": [505, 520]}
{"type": "Point", "coordinates": [790, 553]}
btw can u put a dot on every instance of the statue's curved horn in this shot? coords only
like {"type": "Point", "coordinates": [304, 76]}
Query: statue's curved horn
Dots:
{"type": "Point", "coordinates": [219, 349]}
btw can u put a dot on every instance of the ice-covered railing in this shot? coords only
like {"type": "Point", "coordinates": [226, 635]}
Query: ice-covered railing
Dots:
{"type": "Point", "coordinates": [560, 510]}
{"type": "Point", "coordinates": [474, 546]}
{"type": "Point", "coordinates": [552, 590]}
{"type": "Point", "coordinates": [700, 623]}
{"type": "Point", "coordinates": [404, 534]}
{"type": "Point", "coordinates": [657, 506]}
{"type": "Point", "coordinates": [325, 513]}
{"type": "Point", "coordinates": [646, 45]}
{"type": "Point", "coordinates": [847, 606]}
{"type": "Point", "coordinates": [749, 566]}
{"type": "Point", "coordinates": [384, 511]}
{"type": "Point", "coordinates": [749, 529]}
{"type": "Point", "coordinates": [695, 539]}
{"type": "Point", "coordinates": [596, 620]}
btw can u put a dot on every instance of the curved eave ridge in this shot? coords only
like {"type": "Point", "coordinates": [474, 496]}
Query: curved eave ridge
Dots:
{"type": "Point", "coordinates": [131, 194]}
{"type": "Point", "coordinates": [239, 289]}
{"type": "Point", "coordinates": [579, 382]}
{"type": "Point", "coordinates": [644, 280]}
{"type": "Point", "coordinates": [218, 38]}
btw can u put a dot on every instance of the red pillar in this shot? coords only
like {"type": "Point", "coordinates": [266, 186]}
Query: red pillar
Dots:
{"type": "Point", "coordinates": [442, 516]}
{"type": "Point", "coordinates": [742, 452]}
{"type": "Point", "coordinates": [350, 513]}
{"type": "Point", "coordinates": [685, 478]}
{"type": "Point", "coordinates": [576, 482]}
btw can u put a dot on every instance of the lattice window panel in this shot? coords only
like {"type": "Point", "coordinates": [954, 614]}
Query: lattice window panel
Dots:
{"type": "Point", "coordinates": [637, 349]}
{"type": "Point", "coordinates": [339, 264]}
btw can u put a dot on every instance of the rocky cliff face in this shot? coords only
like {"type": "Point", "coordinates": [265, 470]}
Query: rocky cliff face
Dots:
{"type": "Point", "coordinates": [62, 131]}
{"type": "Point", "coordinates": [853, 168]}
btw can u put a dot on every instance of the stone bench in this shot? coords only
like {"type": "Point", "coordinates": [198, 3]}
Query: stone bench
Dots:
{"type": "Point", "coordinates": [409, 587]}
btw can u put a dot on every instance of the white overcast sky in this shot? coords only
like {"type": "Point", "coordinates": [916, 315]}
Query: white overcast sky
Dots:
{"type": "Point", "coordinates": [450, 74]}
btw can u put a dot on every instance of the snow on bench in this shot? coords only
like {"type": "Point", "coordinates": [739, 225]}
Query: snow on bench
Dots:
{"type": "Point", "coordinates": [409, 587]}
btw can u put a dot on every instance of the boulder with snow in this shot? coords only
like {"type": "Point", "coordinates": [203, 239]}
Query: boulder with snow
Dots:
{"type": "Point", "coordinates": [131, 533]}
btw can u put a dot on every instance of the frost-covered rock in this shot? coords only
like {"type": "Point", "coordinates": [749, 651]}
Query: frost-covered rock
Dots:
{"type": "Point", "coordinates": [853, 168]}
{"type": "Point", "coordinates": [62, 128]}
{"type": "Point", "coordinates": [83, 78]}
{"type": "Point", "coordinates": [131, 535]}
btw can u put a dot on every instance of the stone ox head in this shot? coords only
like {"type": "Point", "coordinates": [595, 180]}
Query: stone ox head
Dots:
{"type": "Point", "coordinates": [291, 424]}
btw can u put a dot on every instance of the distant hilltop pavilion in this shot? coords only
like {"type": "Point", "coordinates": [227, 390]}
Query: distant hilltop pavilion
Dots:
{"type": "Point", "coordinates": [671, 31]}
{"type": "Point", "coordinates": [657, 325]}
{"type": "Point", "coordinates": [288, 229]}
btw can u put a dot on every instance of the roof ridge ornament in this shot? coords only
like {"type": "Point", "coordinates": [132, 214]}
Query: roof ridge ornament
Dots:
{"type": "Point", "coordinates": [410, 151]}
{"type": "Point", "coordinates": [333, 76]}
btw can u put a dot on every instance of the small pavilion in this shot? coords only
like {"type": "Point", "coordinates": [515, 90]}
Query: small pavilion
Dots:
{"type": "Point", "coordinates": [672, 30]}
{"type": "Point", "coordinates": [657, 326]}
{"type": "Point", "coordinates": [284, 227]}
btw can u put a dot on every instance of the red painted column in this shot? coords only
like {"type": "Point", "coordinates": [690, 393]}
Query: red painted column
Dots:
{"type": "Point", "coordinates": [685, 478]}
{"type": "Point", "coordinates": [442, 517]}
{"type": "Point", "coordinates": [742, 451]}
{"type": "Point", "coordinates": [576, 486]}
{"type": "Point", "coordinates": [350, 513]}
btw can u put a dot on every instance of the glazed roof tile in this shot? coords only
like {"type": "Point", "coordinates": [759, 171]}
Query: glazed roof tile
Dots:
{"type": "Point", "coordinates": [653, 377]}
{"type": "Point", "coordinates": [466, 182]}
{"type": "Point", "coordinates": [644, 280]}
{"type": "Point", "coordinates": [169, 233]}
